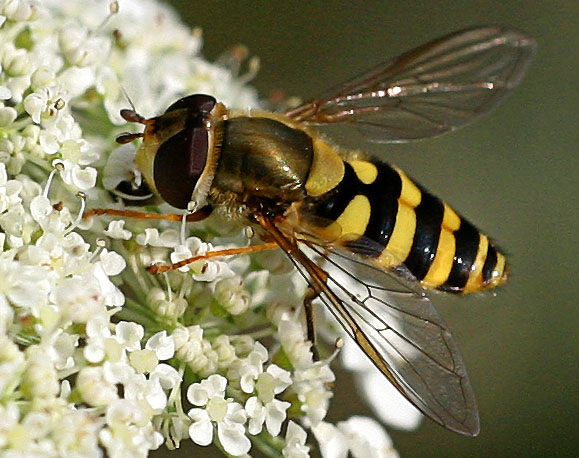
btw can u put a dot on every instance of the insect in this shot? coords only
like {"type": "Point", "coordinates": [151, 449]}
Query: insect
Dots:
{"type": "Point", "coordinates": [352, 224]}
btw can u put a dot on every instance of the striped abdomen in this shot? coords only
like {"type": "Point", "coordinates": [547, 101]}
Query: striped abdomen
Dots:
{"type": "Point", "coordinates": [409, 226]}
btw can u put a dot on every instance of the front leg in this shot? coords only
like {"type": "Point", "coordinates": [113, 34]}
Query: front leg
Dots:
{"type": "Point", "coordinates": [199, 215]}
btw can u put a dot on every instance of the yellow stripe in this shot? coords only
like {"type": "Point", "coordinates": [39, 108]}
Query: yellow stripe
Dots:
{"type": "Point", "coordinates": [474, 282]}
{"type": "Point", "coordinates": [443, 260]}
{"type": "Point", "coordinates": [451, 220]}
{"type": "Point", "coordinates": [327, 169]}
{"type": "Point", "coordinates": [499, 275]}
{"type": "Point", "coordinates": [442, 264]}
{"type": "Point", "coordinates": [501, 265]}
{"type": "Point", "coordinates": [351, 224]}
{"type": "Point", "coordinates": [365, 171]}
{"type": "Point", "coordinates": [410, 194]}
{"type": "Point", "coordinates": [355, 217]}
{"type": "Point", "coordinates": [400, 242]}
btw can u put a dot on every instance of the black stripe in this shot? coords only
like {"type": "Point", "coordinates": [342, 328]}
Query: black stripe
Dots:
{"type": "Point", "coordinates": [332, 204]}
{"type": "Point", "coordinates": [490, 264]}
{"type": "Point", "coordinates": [467, 242]}
{"type": "Point", "coordinates": [383, 195]}
{"type": "Point", "coordinates": [429, 214]}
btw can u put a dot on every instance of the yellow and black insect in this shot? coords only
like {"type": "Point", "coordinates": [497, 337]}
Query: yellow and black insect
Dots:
{"type": "Point", "coordinates": [348, 222]}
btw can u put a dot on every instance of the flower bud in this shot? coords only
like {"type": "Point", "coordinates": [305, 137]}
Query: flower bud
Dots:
{"type": "Point", "coordinates": [232, 296]}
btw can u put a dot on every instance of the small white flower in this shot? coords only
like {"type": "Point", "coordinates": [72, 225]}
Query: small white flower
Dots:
{"type": "Point", "coordinates": [16, 61]}
{"type": "Point", "coordinates": [203, 270]}
{"type": "Point", "coordinates": [116, 230]}
{"type": "Point", "coordinates": [121, 441]}
{"type": "Point", "coordinates": [332, 442]}
{"type": "Point", "coordinates": [143, 361]}
{"type": "Point", "coordinates": [256, 413]}
{"type": "Point", "coordinates": [199, 394]}
{"type": "Point", "coordinates": [297, 347]}
{"type": "Point", "coordinates": [9, 191]}
{"type": "Point", "coordinates": [295, 442]}
{"type": "Point", "coordinates": [188, 342]}
{"type": "Point", "coordinates": [366, 434]}
{"type": "Point", "coordinates": [9, 417]}
{"type": "Point", "coordinates": [311, 385]}
{"type": "Point", "coordinates": [123, 412]}
{"type": "Point", "coordinates": [361, 436]}
{"type": "Point", "coordinates": [263, 407]}
{"type": "Point", "coordinates": [250, 369]}
{"type": "Point", "coordinates": [43, 76]}
{"type": "Point", "coordinates": [151, 237]}
{"type": "Point", "coordinates": [62, 351]}
{"type": "Point", "coordinates": [160, 304]}
{"type": "Point", "coordinates": [121, 167]}
{"type": "Point", "coordinates": [162, 344]}
{"type": "Point", "coordinates": [229, 416]}
{"type": "Point", "coordinates": [82, 49]}
{"type": "Point", "coordinates": [18, 10]}
{"type": "Point", "coordinates": [232, 296]}
{"type": "Point", "coordinates": [268, 383]}
{"type": "Point", "coordinates": [40, 208]}
{"type": "Point", "coordinates": [24, 286]}
{"type": "Point", "coordinates": [5, 93]}
{"type": "Point", "coordinates": [272, 382]}
{"type": "Point", "coordinates": [98, 340]}
{"type": "Point", "coordinates": [256, 284]}
{"type": "Point", "coordinates": [7, 116]}
{"type": "Point", "coordinates": [78, 302]}
{"type": "Point", "coordinates": [12, 365]}
{"type": "Point", "coordinates": [272, 413]}
{"type": "Point", "coordinates": [112, 296]}
{"type": "Point", "coordinates": [140, 388]}
{"type": "Point", "coordinates": [77, 434]}
{"type": "Point", "coordinates": [80, 179]}
{"type": "Point", "coordinates": [197, 352]}
{"type": "Point", "coordinates": [158, 347]}
{"type": "Point", "coordinates": [36, 103]}
{"type": "Point", "coordinates": [129, 334]}
{"type": "Point", "coordinates": [201, 430]}
{"type": "Point", "coordinates": [77, 80]}
{"type": "Point", "coordinates": [94, 387]}
{"type": "Point", "coordinates": [112, 263]}
{"type": "Point", "coordinates": [167, 376]}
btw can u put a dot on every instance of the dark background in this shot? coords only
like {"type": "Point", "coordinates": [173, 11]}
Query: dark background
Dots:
{"type": "Point", "coordinates": [513, 173]}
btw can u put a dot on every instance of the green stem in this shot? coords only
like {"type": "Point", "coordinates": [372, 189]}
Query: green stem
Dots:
{"type": "Point", "coordinates": [42, 163]}
{"type": "Point", "coordinates": [269, 446]}
{"type": "Point", "coordinates": [135, 311]}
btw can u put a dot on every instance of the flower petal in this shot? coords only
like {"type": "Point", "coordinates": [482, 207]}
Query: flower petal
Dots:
{"type": "Point", "coordinates": [201, 430]}
{"type": "Point", "coordinates": [232, 437]}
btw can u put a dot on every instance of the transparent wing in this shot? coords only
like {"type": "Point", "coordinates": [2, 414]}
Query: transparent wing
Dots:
{"type": "Point", "coordinates": [430, 90]}
{"type": "Point", "coordinates": [404, 336]}
{"type": "Point", "coordinates": [396, 326]}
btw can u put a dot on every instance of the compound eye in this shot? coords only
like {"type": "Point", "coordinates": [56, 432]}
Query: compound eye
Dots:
{"type": "Point", "coordinates": [178, 164]}
{"type": "Point", "coordinates": [199, 103]}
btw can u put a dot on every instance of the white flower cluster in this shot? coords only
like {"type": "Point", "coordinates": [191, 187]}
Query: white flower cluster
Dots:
{"type": "Point", "coordinates": [96, 355]}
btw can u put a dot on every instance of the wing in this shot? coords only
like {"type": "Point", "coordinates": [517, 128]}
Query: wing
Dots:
{"type": "Point", "coordinates": [398, 328]}
{"type": "Point", "coordinates": [430, 90]}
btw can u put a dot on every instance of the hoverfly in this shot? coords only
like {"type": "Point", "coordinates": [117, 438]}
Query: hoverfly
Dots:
{"type": "Point", "coordinates": [348, 222]}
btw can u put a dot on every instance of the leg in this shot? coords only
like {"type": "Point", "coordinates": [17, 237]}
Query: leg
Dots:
{"type": "Point", "coordinates": [161, 268]}
{"type": "Point", "coordinates": [197, 216]}
{"type": "Point", "coordinates": [311, 294]}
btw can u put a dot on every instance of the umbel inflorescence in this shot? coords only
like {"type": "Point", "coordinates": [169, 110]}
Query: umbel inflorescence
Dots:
{"type": "Point", "coordinates": [98, 357]}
